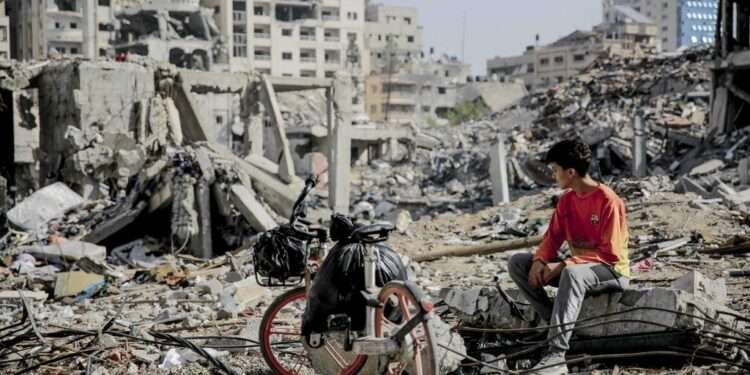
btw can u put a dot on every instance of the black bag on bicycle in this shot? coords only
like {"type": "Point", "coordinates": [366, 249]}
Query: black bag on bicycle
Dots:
{"type": "Point", "coordinates": [279, 256]}
{"type": "Point", "coordinates": [337, 286]}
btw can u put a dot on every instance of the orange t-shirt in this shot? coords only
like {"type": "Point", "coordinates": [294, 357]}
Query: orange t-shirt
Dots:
{"type": "Point", "coordinates": [595, 227]}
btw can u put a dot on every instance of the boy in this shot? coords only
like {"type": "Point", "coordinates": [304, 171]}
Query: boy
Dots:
{"type": "Point", "coordinates": [591, 218]}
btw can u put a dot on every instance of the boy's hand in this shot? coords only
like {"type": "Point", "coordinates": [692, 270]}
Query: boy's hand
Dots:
{"type": "Point", "coordinates": [551, 271]}
{"type": "Point", "coordinates": [536, 274]}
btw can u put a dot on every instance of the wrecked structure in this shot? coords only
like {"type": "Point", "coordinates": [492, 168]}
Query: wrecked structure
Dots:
{"type": "Point", "coordinates": [208, 145]}
{"type": "Point", "coordinates": [179, 32]}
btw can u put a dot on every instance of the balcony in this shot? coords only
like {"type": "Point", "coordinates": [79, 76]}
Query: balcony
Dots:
{"type": "Point", "coordinates": [307, 37]}
{"type": "Point", "coordinates": [308, 59]}
{"type": "Point", "coordinates": [258, 35]}
{"type": "Point", "coordinates": [65, 35]}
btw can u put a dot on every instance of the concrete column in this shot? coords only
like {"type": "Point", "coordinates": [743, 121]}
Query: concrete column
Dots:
{"type": "Point", "coordinates": [255, 134]}
{"type": "Point", "coordinates": [339, 141]}
{"type": "Point", "coordinates": [499, 171]}
{"type": "Point", "coordinates": [88, 10]}
{"type": "Point", "coordinates": [201, 244]}
{"type": "Point", "coordinates": [743, 171]}
{"type": "Point", "coordinates": [640, 169]}
{"type": "Point", "coordinates": [393, 148]}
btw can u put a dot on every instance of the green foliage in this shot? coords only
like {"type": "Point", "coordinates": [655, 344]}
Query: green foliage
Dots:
{"type": "Point", "coordinates": [465, 112]}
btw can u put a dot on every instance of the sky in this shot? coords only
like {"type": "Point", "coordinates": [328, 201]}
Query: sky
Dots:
{"type": "Point", "coordinates": [499, 27]}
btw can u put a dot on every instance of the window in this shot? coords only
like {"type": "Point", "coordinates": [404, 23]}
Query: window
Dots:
{"type": "Point", "coordinates": [544, 61]}
{"type": "Point", "coordinates": [447, 74]}
{"type": "Point", "coordinates": [259, 11]}
{"type": "Point", "coordinates": [3, 33]}
{"type": "Point", "coordinates": [559, 59]}
{"type": "Point", "coordinates": [73, 25]}
{"type": "Point", "coordinates": [286, 32]}
{"type": "Point", "coordinates": [103, 3]}
{"type": "Point", "coordinates": [530, 68]}
{"type": "Point", "coordinates": [410, 39]}
{"type": "Point", "coordinates": [407, 20]}
{"type": "Point", "coordinates": [219, 120]}
{"type": "Point", "coordinates": [73, 50]}
{"type": "Point", "coordinates": [380, 37]}
{"type": "Point", "coordinates": [442, 90]}
{"type": "Point", "coordinates": [239, 51]}
{"type": "Point", "coordinates": [425, 109]}
{"type": "Point", "coordinates": [57, 25]}
{"type": "Point", "coordinates": [578, 57]}
{"type": "Point", "coordinates": [286, 55]}
{"type": "Point", "coordinates": [329, 73]}
{"type": "Point", "coordinates": [664, 28]}
{"type": "Point", "coordinates": [239, 6]}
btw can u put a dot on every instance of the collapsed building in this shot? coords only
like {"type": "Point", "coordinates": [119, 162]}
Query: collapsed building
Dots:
{"type": "Point", "coordinates": [135, 151]}
{"type": "Point", "coordinates": [181, 33]}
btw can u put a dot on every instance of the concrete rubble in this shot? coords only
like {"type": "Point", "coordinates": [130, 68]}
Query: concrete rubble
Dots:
{"type": "Point", "coordinates": [130, 222]}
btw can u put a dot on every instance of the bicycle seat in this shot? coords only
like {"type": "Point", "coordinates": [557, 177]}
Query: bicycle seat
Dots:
{"type": "Point", "coordinates": [372, 233]}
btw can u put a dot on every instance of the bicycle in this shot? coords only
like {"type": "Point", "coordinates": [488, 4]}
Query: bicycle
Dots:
{"type": "Point", "coordinates": [401, 342]}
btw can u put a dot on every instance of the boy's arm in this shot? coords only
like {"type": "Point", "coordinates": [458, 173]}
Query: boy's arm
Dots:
{"type": "Point", "coordinates": [553, 238]}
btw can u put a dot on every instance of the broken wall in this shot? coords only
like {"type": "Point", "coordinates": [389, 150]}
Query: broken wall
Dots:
{"type": "Point", "coordinates": [83, 93]}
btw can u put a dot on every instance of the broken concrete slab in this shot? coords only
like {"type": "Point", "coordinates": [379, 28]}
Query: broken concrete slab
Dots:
{"type": "Point", "coordinates": [640, 308]}
{"type": "Point", "coordinates": [72, 283]}
{"type": "Point", "coordinates": [29, 294]}
{"type": "Point", "coordinates": [251, 208]}
{"type": "Point", "coordinates": [706, 167]}
{"type": "Point", "coordinates": [67, 251]}
{"type": "Point", "coordinates": [48, 203]}
{"type": "Point", "coordinates": [699, 285]}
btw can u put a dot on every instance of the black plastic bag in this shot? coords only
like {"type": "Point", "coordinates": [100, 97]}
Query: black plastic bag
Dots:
{"type": "Point", "coordinates": [337, 286]}
{"type": "Point", "coordinates": [279, 255]}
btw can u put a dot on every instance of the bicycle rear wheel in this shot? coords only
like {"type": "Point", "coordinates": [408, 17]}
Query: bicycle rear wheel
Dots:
{"type": "Point", "coordinates": [281, 341]}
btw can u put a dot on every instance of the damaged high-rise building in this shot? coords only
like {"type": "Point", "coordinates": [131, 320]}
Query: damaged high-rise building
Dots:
{"type": "Point", "coordinates": [42, 29]}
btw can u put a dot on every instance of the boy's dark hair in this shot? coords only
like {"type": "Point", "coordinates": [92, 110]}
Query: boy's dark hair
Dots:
{"type": "Point", "coordinates": [570, 153]}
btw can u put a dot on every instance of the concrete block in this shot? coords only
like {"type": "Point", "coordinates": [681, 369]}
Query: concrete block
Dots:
{"type": "Point", "coordinates": [645, 306]}
{"type": "Point", "coordinates": [251, 208]}
{"type": "Point", "coordinates": [67, 251]}
{"type": "Point", "coordinates": [72, 283]}
{"type": "Point", "coordinates": [695, 283]}
{"type": "Point", "coordinates": [247, 293]}
{"type": "Point", "coordinates": [47, 203]}
{"type": "Point", "coordinates": [486, 308]}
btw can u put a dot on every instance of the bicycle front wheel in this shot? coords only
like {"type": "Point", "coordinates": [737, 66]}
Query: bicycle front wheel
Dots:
{"type": "Point", "coordinates": [418, 355]}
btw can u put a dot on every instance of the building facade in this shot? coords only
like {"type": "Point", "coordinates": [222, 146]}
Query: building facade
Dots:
{"type": "Point", "coordinates": [28, 21]}
{"type": "Point", "coordinates": [306, 38]}
{"type": "Point", "coordinates": [41, 26]}
{"type": "Point", "coordinates": [393, 36]}
{"type": "Point", "coordinates": [4, 34]}
{"type": "Point", "coordinates": [681, 23]}
{"type": "Point", "coordinates": [423, 89]}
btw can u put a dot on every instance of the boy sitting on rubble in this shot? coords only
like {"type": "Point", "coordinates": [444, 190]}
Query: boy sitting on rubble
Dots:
{"type": "Point", "coordinates": [591, 218]}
